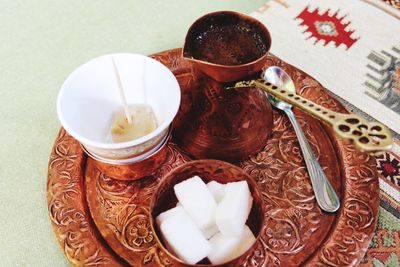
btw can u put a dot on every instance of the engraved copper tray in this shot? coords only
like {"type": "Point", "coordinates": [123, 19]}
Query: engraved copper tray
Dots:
{"type": "Point", "coordinates": [101, 221]}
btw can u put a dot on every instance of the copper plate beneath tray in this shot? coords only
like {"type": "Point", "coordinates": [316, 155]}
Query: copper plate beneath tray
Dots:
{"type": "Point", "coordinates": [101, 221]}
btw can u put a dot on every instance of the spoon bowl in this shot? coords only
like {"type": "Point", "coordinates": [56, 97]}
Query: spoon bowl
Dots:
{"type": "Point", "coordinates": [280, 78]}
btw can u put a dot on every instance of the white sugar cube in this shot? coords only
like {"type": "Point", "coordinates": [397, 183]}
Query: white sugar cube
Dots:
{"type": "Point", "coordinates": [210, 231]}
{"type": "Point", "coordinates": [197, 201]}
{"type": "Point", "coordinates": [225, 248]}
{"type": "Point", "coordinates": [247, 240]}
{"type": "Point", "coordinates": [217, 190]}
{"type": "Point", "coordinates": [166, 214]}
{"type": "Point", "coordinates": [160, 218]}
{"type": "Point", "coordinates": [234, 208]}
{"type": "Point", "coordinates": [184, 238]}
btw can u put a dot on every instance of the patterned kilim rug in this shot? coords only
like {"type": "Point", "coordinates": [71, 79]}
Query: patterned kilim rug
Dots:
{"type": "Point", "coordinates": [353, 48]}
{"type": "Point", "coordinates": [384, 250]}
{"type": "Point", "coordinates": [394, 3]}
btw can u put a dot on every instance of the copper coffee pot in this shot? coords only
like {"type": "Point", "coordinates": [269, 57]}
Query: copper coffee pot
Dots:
{"type": "Point", "coordinates": [224, 47]}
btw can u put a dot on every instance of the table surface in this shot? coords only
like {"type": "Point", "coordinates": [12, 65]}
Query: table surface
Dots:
{"type": "Point", "coordinates": [42, 42]}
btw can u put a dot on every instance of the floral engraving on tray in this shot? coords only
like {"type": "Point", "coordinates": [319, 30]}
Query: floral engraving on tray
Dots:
{"type": "Point", "coordinates": [139, 231]}
{"type": "Point", "coordinates": [292, 215]}
{"type": "Point", "coordinates": [293, 220]}
{"type": "Point", "coordinates": [130, 224]}
{"type": "Point", "coordinates": [122, 207]}
{"type": "Point", "coordinates": [68, 216]}
{"type": "Point", "coordinates": [62, 158]}
{"type": "Point", "coordinates": [357, 220]}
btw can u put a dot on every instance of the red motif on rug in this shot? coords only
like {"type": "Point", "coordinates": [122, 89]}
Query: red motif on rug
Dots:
{"type": "Point", "coordinates": [327, 28]}
{"type": "Point", "coordinates": [389, 167]}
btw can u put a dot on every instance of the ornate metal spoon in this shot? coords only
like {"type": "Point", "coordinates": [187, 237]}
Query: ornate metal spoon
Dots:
{"type": "Point", "coordinates": [324, 193]}
{"type": "Point", "coordinates": [366, 136]}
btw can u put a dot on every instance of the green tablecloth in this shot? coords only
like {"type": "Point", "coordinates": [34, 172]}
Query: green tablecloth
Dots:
{"type": "Point", "coordinates": [41, 43]}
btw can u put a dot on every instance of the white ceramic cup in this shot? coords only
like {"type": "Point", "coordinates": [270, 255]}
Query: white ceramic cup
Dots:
{"type": "Point", "coordinates": [89, 97]}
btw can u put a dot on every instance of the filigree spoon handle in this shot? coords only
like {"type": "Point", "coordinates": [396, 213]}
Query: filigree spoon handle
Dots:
{"type": "Point", "coordinates": [367, 136]}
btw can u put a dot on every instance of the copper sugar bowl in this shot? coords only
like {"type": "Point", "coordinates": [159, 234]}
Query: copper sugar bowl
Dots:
{"type": "Point", "coordinates": [216, 122]}
{"type": "Point", "coordinates": [209, 170]}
